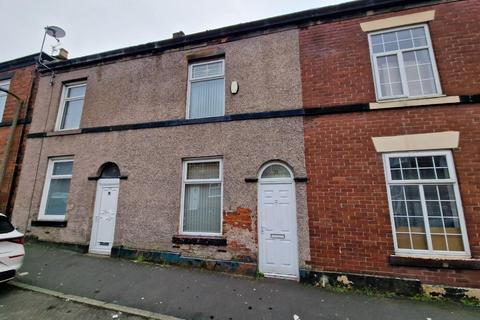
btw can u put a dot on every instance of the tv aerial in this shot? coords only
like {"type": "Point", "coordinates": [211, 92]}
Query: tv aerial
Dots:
{"type": "Point", "coordinates": [56, 33]}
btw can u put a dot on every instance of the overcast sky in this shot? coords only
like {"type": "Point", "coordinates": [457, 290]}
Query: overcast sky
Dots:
{"type": "Point", "coordinates": [94, 26]}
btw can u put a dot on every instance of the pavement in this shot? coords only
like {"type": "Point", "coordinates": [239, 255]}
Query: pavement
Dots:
{"type": "Point", "coordinates": [200, 294]}
{"type": "Point", "coordinates": [26, 305]}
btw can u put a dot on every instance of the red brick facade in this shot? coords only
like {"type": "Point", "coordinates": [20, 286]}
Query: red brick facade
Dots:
{"type": "Point", "coordinates": [349, 219]}
{"type": "Point", "coordinates": [21, 82]}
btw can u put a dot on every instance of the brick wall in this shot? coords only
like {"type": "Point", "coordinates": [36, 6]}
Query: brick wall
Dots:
{"type": "Point", "coordinates": [20, 84]}
{"type": "Point", "coordinates": [349, 218]}
{"type": "Point", "coordinates": [335, 58]}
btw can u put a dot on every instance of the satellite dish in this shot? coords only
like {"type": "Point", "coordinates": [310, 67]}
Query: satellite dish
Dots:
{"type": "Point", "coordinates": [55, 32]}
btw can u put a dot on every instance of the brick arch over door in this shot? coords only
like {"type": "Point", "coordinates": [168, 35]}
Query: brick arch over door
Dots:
{"type": "Point", "coordinates": [109, 170]}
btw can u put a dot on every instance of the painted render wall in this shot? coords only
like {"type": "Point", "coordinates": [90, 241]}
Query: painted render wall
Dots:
{"type": "Point", "coordinates": [152, 89]}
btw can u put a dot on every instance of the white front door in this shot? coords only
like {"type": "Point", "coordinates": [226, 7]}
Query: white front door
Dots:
{"type": "Point", "coordinates": [278, 230]}
{"type": "Point", "coordinates": [104, 215]}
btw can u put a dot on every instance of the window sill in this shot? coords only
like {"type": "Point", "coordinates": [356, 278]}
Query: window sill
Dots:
{"type": "Point", "coordinates": [402, 103]}
{"type": "Point", "coordinates": [46, 223]}
{"type": "Point", "coordinates": [435, 262]}
{"type": "Point", "coordinates": [201, 240]}
{"type": "Point", "coordinates": [64, 132]}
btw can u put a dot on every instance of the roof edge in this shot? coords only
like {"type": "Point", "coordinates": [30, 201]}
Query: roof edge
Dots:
{"type": "Point", "coordinates": [333, 12]}
{"type": "Point", "coordinates": [23, 62]}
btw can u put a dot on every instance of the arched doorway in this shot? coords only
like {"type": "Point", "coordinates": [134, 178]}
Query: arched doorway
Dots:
{"type": "Point", "coordinates": [277, 222]}
{"type": "Point", "coordinates": [105, 210]}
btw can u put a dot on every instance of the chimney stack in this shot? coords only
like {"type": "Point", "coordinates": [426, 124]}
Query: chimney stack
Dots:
{"type": "Point", "coordinates": [178, 34]}
{"type": "Point", "coordinates": [62, 54]}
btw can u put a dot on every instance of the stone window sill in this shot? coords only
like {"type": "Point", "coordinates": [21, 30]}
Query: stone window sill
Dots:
{"type": "Point", "coordinates": [44, 223]}
{"type": "Point", "coordinates": [201, 240]}
{"type": "Point", "coordinates": [442, 263]}
{"type": "Point", "coordinates": [387, 104]}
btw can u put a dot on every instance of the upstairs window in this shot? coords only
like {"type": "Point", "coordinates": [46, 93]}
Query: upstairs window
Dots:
{"type": "Point", "coordinates": [425, 206]}
{"type": "Point", "coordinates": [71, 106]}
{"type": "Point", "coordinates": [4, 84]}
{"type": "Point", "coordinates": [206, 89]}
{"type": "Point", "coordinates": [404, 64]}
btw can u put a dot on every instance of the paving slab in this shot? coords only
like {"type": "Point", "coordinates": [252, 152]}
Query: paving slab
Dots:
{"type": "Point", "coordinates": [17, 304]}
{"type": "Point", "coordinates": [200, 294]}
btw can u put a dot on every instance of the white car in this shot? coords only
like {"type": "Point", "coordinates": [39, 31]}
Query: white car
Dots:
{"type": "Point", "coordinates": [11, 249]}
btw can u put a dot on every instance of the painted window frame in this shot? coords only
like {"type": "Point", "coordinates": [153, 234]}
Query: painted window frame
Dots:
{"type": "Point", "coordinates": [186, 181]}
{"type": "Point", "coordinates": [280, 179]}
{"type": "Point", "coordinates": [64, 100]}
{"type": "Point", "coordinates": [190, 80]}
{"type": "Point", "coordinates": [403, 77]}
{"type": "Point", "coordinates": [46, 188]}
{"type": "Point", "coordinates": [2, 108]}
{"type": "Point", "coordinates": [429, 253]}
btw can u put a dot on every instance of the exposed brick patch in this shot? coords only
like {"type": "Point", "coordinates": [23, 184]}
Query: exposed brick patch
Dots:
{"type": "Point", "coordinates": [238, 242]}
{"type": "Point", "coordinates": [240, 218]}
{"type": "Point", "coordinates": [239, 228]}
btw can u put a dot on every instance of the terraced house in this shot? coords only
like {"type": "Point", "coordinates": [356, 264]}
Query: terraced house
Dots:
{"type": "Point", "coordinates": [335, 144]}
{"type": "Point", "coordinates": [159, 148]}
{"type": "Point", "coordinates": [393, 170]}
{"type": "Point", "coordinates": [19, 77]}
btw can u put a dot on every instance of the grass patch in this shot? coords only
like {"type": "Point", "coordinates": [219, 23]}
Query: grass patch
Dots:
{"type": "Point", "coordinates": [471, 302]}
{"type": "Point", "coordinates": [370, 292]}
{"type": "Point", "coordinates": [140, 258]}
{"type": "Point", "coordinates": [259, 275]}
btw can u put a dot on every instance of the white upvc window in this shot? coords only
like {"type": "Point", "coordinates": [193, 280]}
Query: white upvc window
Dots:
{"type": "Point", "coordinates": [56, 189]}
{"type": "Point", "coordinates": [403, 63]}
{"type": "Point", "coordinates": [71, 106]}
{"type": "Point", "coordinates": [4, 84]}
{"type": "Point", "coordinates": [425, 205]}
{"type": "Point", "coordinates": [202, 197]}
{"type": "Point", "coordinates": [206, 89]}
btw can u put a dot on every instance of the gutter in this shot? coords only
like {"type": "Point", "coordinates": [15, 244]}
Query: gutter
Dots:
{"type": "Point", "coordinates": [330, 13]}
{"type": "Point", "coordinates": [22, 62]}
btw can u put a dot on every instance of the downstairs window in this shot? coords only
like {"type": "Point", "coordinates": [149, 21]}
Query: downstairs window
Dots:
{"type": "Point", "coordinates": [202, 197]}
{"type": "Point", "coordinates": [425, 206]}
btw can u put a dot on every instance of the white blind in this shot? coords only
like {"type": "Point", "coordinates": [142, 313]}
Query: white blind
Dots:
{"type": "Point", "coordinates": [59, 188]}
{"type": "Point", "coordinates": [202, 197]}
{"type": "Point", "coordinates": [207, 90]}
{"type": "Point", "coordinates": [202, 208]}
{"type": "Point", "coordinates": [73, 106]}
{"type": "Point", "coordinates": [206, 98]}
